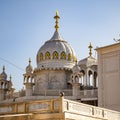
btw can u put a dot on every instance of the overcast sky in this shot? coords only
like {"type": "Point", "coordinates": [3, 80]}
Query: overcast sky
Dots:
{"type": "Point", "coordinates": [26, 24]}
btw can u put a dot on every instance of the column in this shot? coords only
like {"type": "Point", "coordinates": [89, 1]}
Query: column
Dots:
{"type": "Point", "coordinates": [76, 89]}
{"type": "Point", "coordinates": [2, 94]}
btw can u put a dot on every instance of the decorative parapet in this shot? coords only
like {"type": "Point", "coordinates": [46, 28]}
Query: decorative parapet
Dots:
{"type": "Point", "coordinates": [81, 94]}
{"type": "Point", "coordinates": [53, 105]}
{"type": "Point", "coordinates": [90, 111]}
{"type": "Point", "coordinates": [60, 106]}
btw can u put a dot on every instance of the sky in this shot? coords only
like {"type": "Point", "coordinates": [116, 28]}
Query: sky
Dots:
{"type": "Point", "coordinates": [26, 24]}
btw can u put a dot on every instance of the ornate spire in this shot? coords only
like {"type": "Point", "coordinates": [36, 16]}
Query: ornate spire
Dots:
{"type": "Point", "coordinates": [3, 68]}
{"type": "Point", "coordinates": [3, 74]}
{"type": "Point", "coordinates": [90, 49]}
{"type": "Point", "coordinates": [11, 81]}
{"type": "Point", "coordinates": [29, 67]}
{"type": "Point", "coordinates": [10, 78]}
{"type": "Point", "coordinates": [29, 61]}
{"type": "Point", "coordinates": [56, 22]}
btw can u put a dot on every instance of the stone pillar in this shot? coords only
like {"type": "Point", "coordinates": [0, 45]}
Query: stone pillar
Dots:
{"type": "Point", "coordinates": [29, 80]}
{"type": "Point", "coordinates": [2, 95]}
{"type": "Point", "coordinates": [29, 83]}
{"type": "Point", "coordinates": [29, 89]}
{"type": "Point", "coordinates": [87, 78]}
{"type": "Point", "coordinates": [76, 89]}
{"type": "Point", "coordinates": [95, 80]}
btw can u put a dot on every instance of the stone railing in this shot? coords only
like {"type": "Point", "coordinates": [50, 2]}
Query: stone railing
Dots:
{"type": "Point", "coordinates": [90, 111]}
{"type": "Point", "coordinates": [88, 93]}
{"type": "Point", "coordinates": [81, 93]}
{"type": "Point", "coordinates": [53, 105]}
{"type": "Point", "coordinates": [50, 92]}
{"type": "Point", "coordinates": [59, 105]}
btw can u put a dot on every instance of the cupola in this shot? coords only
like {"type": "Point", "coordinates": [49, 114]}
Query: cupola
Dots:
{"type": "Point", "coordinates": [56, 53]}
{"type": "Point", "coordinates": [3, 75]}
{"type": "Point", "coordinates": [29, 68]}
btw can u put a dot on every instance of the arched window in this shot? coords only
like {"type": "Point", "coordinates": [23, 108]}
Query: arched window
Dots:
{"type": "Point", "coordinates": [63, 55]}
{"type": "Point", "coordinates": [69, 57]}
{"type": "Point", "coordinates": [2, 85]}
{"type": "Point", "coordinates": [82, 77]}
{"type": "Point", "coordinates": [41, 56]}
{"type": "Point", "coordinates": [75, 59]}
{"type": "Point", "coordinates": [90, 77]}
{"type": "Point", "coordinates": [6, 85]}
{"type": "Point", "coordinates": [47, 55]}
{"type": "Point", "coordinates": [55, 55]}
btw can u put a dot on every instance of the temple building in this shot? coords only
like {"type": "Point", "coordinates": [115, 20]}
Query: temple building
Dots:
{"type": "Point", "coordinates": [61, 87]}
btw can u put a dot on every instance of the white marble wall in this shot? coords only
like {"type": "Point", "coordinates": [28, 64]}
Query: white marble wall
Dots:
{"type": "Point", "coordinates": [50, 79]}
{"type": "Point", "coordinates": [109, 77]}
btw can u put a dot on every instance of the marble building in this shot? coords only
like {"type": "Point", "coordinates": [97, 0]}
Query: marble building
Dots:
{"type": "Point", "coordinates": [60, 84]}
{"type": "Point", "coordinates": [57, 71]}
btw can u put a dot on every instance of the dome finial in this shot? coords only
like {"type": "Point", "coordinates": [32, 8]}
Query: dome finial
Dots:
{"type": "Point", "coordinates": [90, 49]}
{"type": "Point", "coordinates": [29, 60]}
{"type": "Point", "coordinates": [10, 78]}
{"type": "Point", "coordinates": [57, 18]}
{"type": "Point", "coordinates": [3, 68]}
